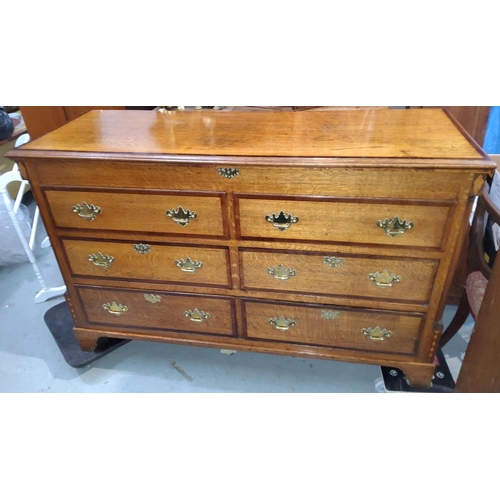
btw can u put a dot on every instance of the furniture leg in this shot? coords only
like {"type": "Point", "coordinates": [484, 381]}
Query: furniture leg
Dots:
{"type": "Point", "coordinates": [87, 339]}
{"type": "Point", "coordinates": [419, 376]}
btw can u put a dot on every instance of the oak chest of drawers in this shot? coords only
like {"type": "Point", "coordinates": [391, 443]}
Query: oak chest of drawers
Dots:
{"type": "Point", "coordinates": [322, 234]}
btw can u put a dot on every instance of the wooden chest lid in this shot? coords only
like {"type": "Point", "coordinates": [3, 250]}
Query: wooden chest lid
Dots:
{"type": "Point", "coordinates": [370, 134]}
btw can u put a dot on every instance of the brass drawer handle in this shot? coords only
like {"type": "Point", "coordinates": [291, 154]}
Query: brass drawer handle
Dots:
{"type": "Point", "coordinates": [333, 261]}
{"type": "Point", "coordinates": [281, 273]}
{"type": "Point", "coordinates": [282, 323]}
{"type": "Point", "coordinates": [142, 248]}
{"type": "Point", "coordinates": [376, 334]}
{"type": "Point", "coordinates": [115, 309]}
{"type": "Point", "coordinates": [330, 315]}
{"type": "Point", "coordinates": [228, 173]}
{"type": "Point", "coordinates": [395, 227]}
{"type": "Point", "coordinates": [384, 279]}
{"type": "Point", "coordinates": [197, 316]}
{"type": "Point", "coordinates": [150, 297]}
{"type": "Point", "coordinates": [181, 216]}
{"type": "Point", "coordinates": [188, 265]}
{"type": "Point", "coordinates": [86, 211]}
{"type": "Point", "coordinates": [100, 259]}
{"type": "Point", "coordinates": [282, 221]}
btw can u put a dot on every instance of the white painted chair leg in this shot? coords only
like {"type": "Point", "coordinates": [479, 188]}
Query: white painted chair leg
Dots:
{"type": "Point", "coordinates": [49, 293]}
{"type": "Point", "coordinates": [33, 227]}
{"type": "Point", "coordinates": [45, 242]}
{"type": "Point", "coordinates": [46, 292]}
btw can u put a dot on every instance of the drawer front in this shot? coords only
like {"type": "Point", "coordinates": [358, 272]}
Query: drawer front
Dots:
{"type": "Point", "coordinates": [155, 262]}
{"type": "Point", "coordinates": [159, 311]}
{"type": "Point", "coordinates": [285, 180]}
{"type": "Point", "coordinates": [180, 214]}
{"type": "Point", "coordinates": [333, 327]}
{"type": "Point", "coordinates": [329, 274]}
{"type": "Point", "coordinates": [336, 221]}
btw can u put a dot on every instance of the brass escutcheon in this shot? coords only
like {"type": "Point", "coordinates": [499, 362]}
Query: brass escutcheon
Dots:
{"type": "Point", "coordinates": [100, 259]}
{"type": "Point", "coordinates": [333, 261]}
{"type": "Point", "coordinates": [197, 316]}
{"type": "Point", "coordinates": [282, 323]}
{"type": "Point", "coordinates": [384, 279]}
{"type": "Point", "coordinates": [228, 173]}
{"type": "Point", "coordinates": [154, 299]}
{"type": "Point", "coordinates": [181, 216]}
{"type": "Point", "coordinates": [282, 221]}
{"type": "Point", "coordinates": [188, 265]}
{"type": "Point", "coordinates": [86, 211]}
{"type": "Point", "coordinates": [281, 273]}
{"type": "Point", "coordinates": [142, 248]}
{"type": "Point", "coordinates": [115, 309]}
{"type": "Point", "coordinates": [330, 315]}
{"type": "Point", "coordinates": [395, 227]}
{"type": "Point", "coordinates": [376, 334]}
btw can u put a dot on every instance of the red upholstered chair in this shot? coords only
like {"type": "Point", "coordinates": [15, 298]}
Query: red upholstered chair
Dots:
{"type": "Point", "coordinates": [478, 270]}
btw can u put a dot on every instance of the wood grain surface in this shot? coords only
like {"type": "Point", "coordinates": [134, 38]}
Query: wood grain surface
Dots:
{"type": "Point", "coordinates": [376, 182]}
{"type": "Point", "coordinates": [138, 212]}
{"type": "Point", "coordinates": [419, 133]}
{"type": "Point", "coordinates": [167, 314]}
{"type": "Point", "coordinates": [349, 279]}
{"type": "Point", "coordinates": [158, 265]}
{"type": "Point", "coordinates": [345, 331]}
{"type": "Point", "coordinates": [339, 221]}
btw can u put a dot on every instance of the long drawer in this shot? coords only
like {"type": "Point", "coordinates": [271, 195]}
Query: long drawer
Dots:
{"type": "Point", "coordinates": [365, 330]}
{"type": "Point", "coordinates": [400, 279]}
{"type": "Point", "coordinates": [156, 262]}
{"type": "Point", "coordinates": [181, 214]}
{"type": "Point", "coordinates": [295, 180]}
{"type": "Point", "coordinates": [201, 314]}
{"type": "Point", "coordinates": [415, 224]}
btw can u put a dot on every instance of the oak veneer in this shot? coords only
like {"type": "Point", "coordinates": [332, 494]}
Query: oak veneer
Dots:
{"type": "Point", "coordinates": [166, 313]}
{"type": "Point", "coordinates": [299, 180]}
{"type": "Point", "coordinates": [351, 275]}
{"type": "Point", "coordinates": [354, 134]}
{"type": "Point", "coordinates": [138, 213]}
{"type": "Point", "coordinates": [162, 263]}
{"type": "Point", "coordinates": [313, 325]}
{"type": "Point", "coordinates": [338, 221]}
{"type": "Point", "coordinates": [338, 172]}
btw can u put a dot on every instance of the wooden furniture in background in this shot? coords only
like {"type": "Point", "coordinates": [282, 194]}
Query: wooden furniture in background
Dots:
{"type": "Point", "coordinates": [478, 270]}
{"type": "Point", "coordinates": [275, 108]}
{"type": "Point", "coordinates": [41, 120]}
{"type": "Point", "coordinates": [320, 234]}
{"type": "Point", "coordinates": [480, 372]}
{"type": "Point", "coordinates": [474, 119]}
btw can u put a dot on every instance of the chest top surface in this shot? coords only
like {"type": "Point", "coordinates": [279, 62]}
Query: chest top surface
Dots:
{"type": "Point", "coordinates": [370, 134]}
